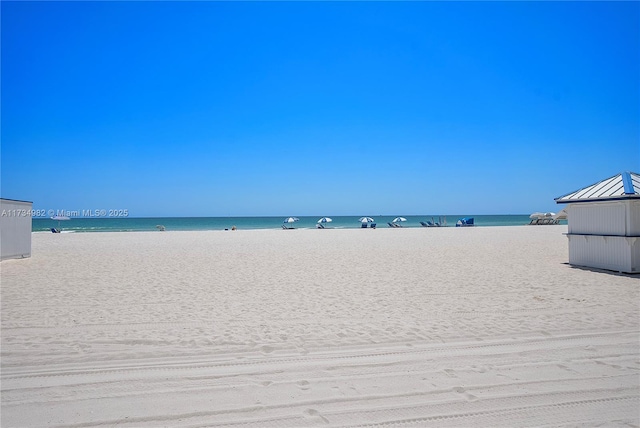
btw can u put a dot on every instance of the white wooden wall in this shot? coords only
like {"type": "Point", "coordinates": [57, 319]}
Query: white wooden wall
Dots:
{"type": "Point", "coordinates": [598, 218]}
{"type": "Point", "coordinates": [617, 253]}
{"type": "Point", "coordinates": [605, 235]}
{"type": "Point", "coordinates": [15, 229]}
{"type": "Point", "coordinates": [634, 218]}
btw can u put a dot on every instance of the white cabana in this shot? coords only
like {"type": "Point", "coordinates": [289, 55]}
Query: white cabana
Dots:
{"type": "Point", "coordinates": [604, 224]}
{"type": "Point", "coordinates": [15, 229]}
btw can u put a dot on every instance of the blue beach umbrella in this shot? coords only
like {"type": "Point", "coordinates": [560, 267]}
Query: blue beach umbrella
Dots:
{"type": "Point", "coordinates": [398, 219]}
{"type": "Point", "coordinates": [366, 220]}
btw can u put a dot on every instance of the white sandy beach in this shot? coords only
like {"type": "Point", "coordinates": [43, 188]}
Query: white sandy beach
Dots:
{"type": "Point", "coordinates": [269, 328]}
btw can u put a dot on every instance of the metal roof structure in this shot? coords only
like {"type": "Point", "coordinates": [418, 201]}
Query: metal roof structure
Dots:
{"type": "Point", "coordinates": [625, 185]}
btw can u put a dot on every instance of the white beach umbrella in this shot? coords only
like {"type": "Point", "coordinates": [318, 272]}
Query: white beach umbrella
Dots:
{"type": "Point", "coordinates": [60, 218]}
{"type": "Point", "coordinates": [397, 219]}
{"type": "Point", "coordinates": [366, 220]}
{"type": "Point", "coordinates": [291, 219]}
{"type": "Point", "coordinates": [324, 220]}
{"type": "Point", "coordinates": [562, 215]}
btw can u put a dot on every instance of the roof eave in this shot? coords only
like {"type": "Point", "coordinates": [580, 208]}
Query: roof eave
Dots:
{"type": "Point", "coordinates": [609, 199]}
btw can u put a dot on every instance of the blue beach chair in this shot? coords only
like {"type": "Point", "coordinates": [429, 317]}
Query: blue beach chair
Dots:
{"type": "Point", "coordinates": [465, 222]}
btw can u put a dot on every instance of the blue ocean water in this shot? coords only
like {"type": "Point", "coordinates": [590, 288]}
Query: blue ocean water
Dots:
{"type": "Point", "coordinates": [131, 224]}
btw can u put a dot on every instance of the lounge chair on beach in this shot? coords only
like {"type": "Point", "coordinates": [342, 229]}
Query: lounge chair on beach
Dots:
{"type": "Point", "coordinates": [546, 218]}
{"type": "Point", "coordinates": [54, 230]}
{"type": "Point", "coordinates": [319, 225]}
{"type": "Point", "coordinates": [394, 225]}
{"type": "Point", "coordinates": [465, 222]}
{"type": "Point", "coordinates": [287, 228]}
{"type": "Point", "coordinates": [373, 225]}
{"type": "Point", "coordinates": [364, 225]}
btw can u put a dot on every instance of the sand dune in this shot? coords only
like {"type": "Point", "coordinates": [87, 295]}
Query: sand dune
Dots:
{"type": "Point", "coordinates": [388, 327]}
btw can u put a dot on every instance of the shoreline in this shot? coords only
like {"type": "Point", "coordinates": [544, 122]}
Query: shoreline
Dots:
{"type": "Point", "coordinates": [385, 227]}
{"type": "Point", "coordinates": [253, 223]}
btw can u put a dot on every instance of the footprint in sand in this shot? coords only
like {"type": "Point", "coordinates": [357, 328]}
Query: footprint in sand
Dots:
{"type": "Point", "coordinates": [450, 373]}
{"type": "Point", "coordinates": [303, 384]}
{"type": "Point", "coordinates": [337, 390]}
{"type": "Point", "coordinates": [266, 349]}
{"type": "Point", "coordinates": [465, 394]}
{"type": "Point", "coordinates": [602, 363]}
{"type": "Point", "coordinates": [560, 366]}
{"type": "Point", "coordinates": [313, 413]}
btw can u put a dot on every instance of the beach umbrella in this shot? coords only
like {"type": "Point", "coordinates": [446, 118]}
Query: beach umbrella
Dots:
{"type": "Point", "coordinates": [60, 218]}
{"type": "Point", "coordinates": [366, 220]}
{"type": "Point", "coordinates": [324, 220]}
{"type": "Point", "coordinates": [291, 219]}
{"type": "Point", "coordinates": [397, 219]}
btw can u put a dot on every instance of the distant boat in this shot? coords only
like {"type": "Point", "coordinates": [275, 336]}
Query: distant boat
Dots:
{"type": "Point", "coordinates": [465, 222]}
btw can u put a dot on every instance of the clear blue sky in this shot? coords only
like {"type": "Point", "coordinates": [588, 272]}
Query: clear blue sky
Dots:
{"type": "Point", "coordinates": [312, 108]}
